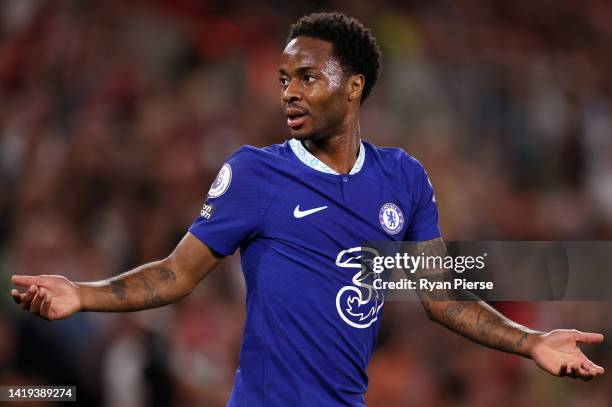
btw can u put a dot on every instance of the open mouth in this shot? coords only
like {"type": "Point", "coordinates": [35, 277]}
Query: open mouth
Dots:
{"type": "Point", "coordinates": [295, 121]}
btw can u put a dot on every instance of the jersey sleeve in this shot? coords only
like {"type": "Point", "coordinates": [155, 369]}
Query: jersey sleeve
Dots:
{"type": "Point", "coordinates": [233, 210]}
{"type": "Point", "coordinates": [423, 224]}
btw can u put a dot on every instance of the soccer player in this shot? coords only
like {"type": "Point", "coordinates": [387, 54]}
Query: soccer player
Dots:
{"type": "Point", "coordinates": [299, 211]}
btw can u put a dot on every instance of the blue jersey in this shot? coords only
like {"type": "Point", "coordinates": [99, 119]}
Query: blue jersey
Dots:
{"type": "Point", "coordinates": [310, 326]}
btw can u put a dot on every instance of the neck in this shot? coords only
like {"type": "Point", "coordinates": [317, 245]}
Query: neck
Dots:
{"type": "Point", "coordinates": [339, 152]}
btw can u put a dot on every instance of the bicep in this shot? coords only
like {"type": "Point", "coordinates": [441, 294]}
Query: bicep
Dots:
{"type": "Point", "coordinates": [192, 260]}
{"type": "Point", "coordinates": [433, 247]}
{"type": "Point", "coordinates": [432, 301]}
{"type": "Point", "coordinates": [441, 304]}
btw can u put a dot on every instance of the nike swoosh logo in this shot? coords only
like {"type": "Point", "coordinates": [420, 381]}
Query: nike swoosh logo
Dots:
{"type": "Point", "coordinates": [300, 214]}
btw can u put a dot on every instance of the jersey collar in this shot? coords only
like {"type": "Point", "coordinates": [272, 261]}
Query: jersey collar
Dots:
{"type": "Point", "coordinates": [313, 162]}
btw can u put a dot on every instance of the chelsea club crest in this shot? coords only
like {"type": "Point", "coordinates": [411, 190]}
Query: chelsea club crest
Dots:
{"type": "Point", "coordinates": [391, 218]}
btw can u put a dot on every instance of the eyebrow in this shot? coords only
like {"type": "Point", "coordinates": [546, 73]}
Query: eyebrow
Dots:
{"type": "Point", "coordinates": [301, 70]}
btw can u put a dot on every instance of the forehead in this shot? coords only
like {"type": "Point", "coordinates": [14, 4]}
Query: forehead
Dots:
{"type": "Point", "coordinates": [307, 51]}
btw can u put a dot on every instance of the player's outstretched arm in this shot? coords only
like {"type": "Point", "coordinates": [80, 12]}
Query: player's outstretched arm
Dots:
{"type": "Point", "coordinates": [556, 352]}
{"type": "Point", "coordinates": [148, 286]}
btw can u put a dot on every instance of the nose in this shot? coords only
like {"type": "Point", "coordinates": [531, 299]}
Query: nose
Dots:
{"type": "Point", "coordinates": [292, 92]}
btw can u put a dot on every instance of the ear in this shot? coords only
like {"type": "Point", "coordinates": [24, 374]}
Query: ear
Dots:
{"type": "Point", "coordinates": [355, 85]}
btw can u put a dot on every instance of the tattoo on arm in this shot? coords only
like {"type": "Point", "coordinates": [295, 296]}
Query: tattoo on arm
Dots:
{"type": "Point", "coordinates": [521, 342]}
{"type": "Point", "coordinates": [152, 299]}
{"type": "Point", "coordinates": [479, 322]}
{"type": "Point", "coordinates": [165, 274]}
{"type": "Point", "coordinates": [465, 313]}
{"type": "Point", "coordinates": [451, 316]}
{"type": "Point", "coordinates": [118, 287]}
{"type": "Point", "coordinates": [153, 278]}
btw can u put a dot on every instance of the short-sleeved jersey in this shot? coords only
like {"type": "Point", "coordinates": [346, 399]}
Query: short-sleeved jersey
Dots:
{"type": "Point", "coordinates": [310, 330]}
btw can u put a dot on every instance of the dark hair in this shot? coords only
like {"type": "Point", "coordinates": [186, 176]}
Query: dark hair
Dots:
{"type": "Point", "coordinates": [353, 44]}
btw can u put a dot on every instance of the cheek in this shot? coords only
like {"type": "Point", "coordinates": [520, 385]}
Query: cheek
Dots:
{"type": "Point", "coordinates": [327, 105]}
{"type": "Point", "coordinates": [327, 101]}
{"type": "Point", "coordinates": [330, 116]}
{"type": "Point", "coordinates": [333, 107]}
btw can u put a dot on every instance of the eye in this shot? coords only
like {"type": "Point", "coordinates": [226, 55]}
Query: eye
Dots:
{"type": "Point", "coordinates": [283, 81]}
{"type": "Point", "coordinates": [309, 79]}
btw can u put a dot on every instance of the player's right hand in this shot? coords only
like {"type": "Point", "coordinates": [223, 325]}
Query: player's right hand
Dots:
{"type": "Point", "coordinates": [50, 297]}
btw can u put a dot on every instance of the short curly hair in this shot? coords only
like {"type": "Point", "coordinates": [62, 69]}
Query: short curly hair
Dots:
{"type": "Point", "coordinates": [353, 44]}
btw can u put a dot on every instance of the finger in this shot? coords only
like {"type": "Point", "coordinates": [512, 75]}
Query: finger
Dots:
{"type": "Point", "coordinates": [592, 367]}
{"type": "Point", "coordinates": [563, 370]}
{"type": "Point", "coordinates": [45, 308]}
{"type": "Point", "coordinates": [28, 297]}
{"type": "Point", "coordinates": [588, 366]}
{"type": "Point", "coordinates": [583, 373]}
{"type": "Point", "coordinates": [16, 296]}
{"type": "Point", "coordinates": [589, 337]}
{"type": "Point", "coordinates": [37, 301]}
{"type": "Point", "coordinates": [571, 369]}
{"type": "Point", "coordinates": [577, 371]}
{"type": "Point", "coordinates": [24, 281]}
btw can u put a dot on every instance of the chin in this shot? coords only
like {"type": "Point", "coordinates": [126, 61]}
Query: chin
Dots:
{"type": "Point", "coordinates": [302, 134]}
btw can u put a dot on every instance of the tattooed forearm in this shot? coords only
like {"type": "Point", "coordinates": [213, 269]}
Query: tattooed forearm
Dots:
{"type": "Point", "coordinates": [452, 316]}
{"type": "Point", "coordinates": [152, 299]}
{"type": "Point", "coordinates": [469, 316]}
{"type": "Point", "coordinates": [165, 274]}
{"type": "Point", "coordinates": [148, 286]}
{"type": "Point", "coordinates": [118, 287]}
{"type": "Point", "coordinates": [521, 342]}
{"type": "Point", "coordinates": [481, 323]}
{"type": "Point", "coordinates": [478, 321]}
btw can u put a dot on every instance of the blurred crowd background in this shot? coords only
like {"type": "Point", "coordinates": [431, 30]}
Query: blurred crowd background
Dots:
{"type": "Point", "coordinates": [116, 115]}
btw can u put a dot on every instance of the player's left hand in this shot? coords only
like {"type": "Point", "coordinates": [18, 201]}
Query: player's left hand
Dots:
{"type": "Point", "coordinates": [557, 352]}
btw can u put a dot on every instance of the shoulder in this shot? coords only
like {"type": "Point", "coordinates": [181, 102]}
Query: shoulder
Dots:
{"type": "Point", "coordinates": [259, 170]}
{"type": "Point", "coordinates": [248, 155]}
{"type": "Point", "coordinates": [396, 160]}
{"type": "Point", "coordinates": [257, 160]}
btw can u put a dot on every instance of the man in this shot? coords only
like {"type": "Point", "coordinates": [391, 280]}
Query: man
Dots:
{"type": "Point", "coordinates": [299, 212]}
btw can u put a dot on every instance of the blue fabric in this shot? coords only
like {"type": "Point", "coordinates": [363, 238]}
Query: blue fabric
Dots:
{"type": "Point", "coordinates": [310, 329]}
